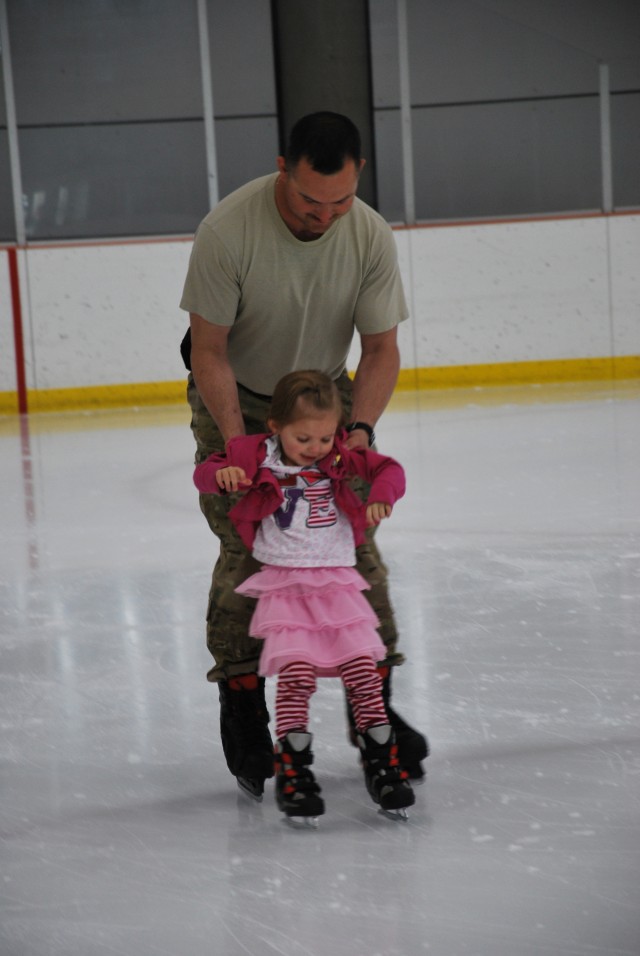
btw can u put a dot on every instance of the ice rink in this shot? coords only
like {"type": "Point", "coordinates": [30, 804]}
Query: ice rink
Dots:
{"type": "Point", "coordinates": [515, 572]}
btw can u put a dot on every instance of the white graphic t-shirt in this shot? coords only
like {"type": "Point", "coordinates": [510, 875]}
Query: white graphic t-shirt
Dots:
{"type": "Point", "coordinates": [307, 530]}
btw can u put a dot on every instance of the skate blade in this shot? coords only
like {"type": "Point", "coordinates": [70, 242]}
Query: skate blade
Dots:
{"type": "Point", "coordinates": [398, 816]}
{"type": "Point", "coordinates": [254, 789]}
{"type": "Point", "coordinates": [302, 823]}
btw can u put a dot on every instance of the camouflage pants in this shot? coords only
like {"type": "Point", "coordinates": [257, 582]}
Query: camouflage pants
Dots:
{"type": "Point", "coordinates": [228, 613]}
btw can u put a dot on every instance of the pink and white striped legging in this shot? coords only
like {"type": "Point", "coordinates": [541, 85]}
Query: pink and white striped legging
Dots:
{"type": "Point", "coordinates": [297, 682]}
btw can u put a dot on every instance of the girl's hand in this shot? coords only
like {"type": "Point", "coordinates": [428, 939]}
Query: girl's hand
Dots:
{"type": "Point", "coordinates": [232, 479]}
{"type": "Point", "coordinates": [376, 512]}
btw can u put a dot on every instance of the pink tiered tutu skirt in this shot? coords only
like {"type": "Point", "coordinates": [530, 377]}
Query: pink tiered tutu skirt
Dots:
{"type": "Point", "coordinates": [318, 615]}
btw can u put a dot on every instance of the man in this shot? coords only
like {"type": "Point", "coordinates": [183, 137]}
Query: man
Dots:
{"type": "Point", "coordinates": [283, 271]}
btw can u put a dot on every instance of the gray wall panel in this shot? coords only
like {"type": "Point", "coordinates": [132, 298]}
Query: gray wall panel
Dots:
{"type": "Point", "coordinates": [625, 123]}
{"type": "Point", "coordinates": [385, 75]}
{"type": "Point", "coordinates": [247, 148]}
{"type": "Point", "coordinates": [604, 29]}
{"type": "Point", "coordinates": [462, 51]}
{"type": "Point", "coordinates": [3, 110]}
{"type": "Point", "coordinates": [387, 137]}
{"type": "Point", "coordinates": [505, 116]}
{"type": "Point", "coordinates": [507, 159]}
{"type": "Point", "coordinates": [82, 62]}
{"type": "Point", "coordinates": [242, 58]}
{"type": "Point", "coordinates": [7, 224]}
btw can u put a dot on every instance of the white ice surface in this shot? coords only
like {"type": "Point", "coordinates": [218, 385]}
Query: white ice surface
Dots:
{"type": "Point", "coordinates": [515, 570]}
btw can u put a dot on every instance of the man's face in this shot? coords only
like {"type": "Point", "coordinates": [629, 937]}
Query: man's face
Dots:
{"type": "Point", "coordinates": [309, 202]}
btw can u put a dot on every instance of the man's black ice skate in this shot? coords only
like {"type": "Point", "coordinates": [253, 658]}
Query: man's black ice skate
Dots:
{"type": "Point", "coordinates": [413, 746]}
{"type": "Point", "coordinates": [297, 793]}
{"type": "Point", "coordinates": [245, 736]}
{"type": "Point", "coordinates": [386, 781]}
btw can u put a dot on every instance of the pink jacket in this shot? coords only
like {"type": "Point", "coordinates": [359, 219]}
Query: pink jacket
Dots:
{"type": "Point", "coordinates": [264, 497]}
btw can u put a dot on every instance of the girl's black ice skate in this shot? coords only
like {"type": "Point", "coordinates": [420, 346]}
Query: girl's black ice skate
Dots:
{"type": "Point", "coordinates": [413, 747]}
{"type": "Point", "coordinates": [386, 781]}
{"type": "Point", "coordinates": [297, 793]}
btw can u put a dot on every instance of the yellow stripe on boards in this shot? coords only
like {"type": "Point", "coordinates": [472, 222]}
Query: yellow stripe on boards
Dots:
{"type": "Point", "coordinates": [521, 373]}
{"type": "Point", "coordinates": [107, 396]}
{"type": "Point", "coordinates": [416, 379]}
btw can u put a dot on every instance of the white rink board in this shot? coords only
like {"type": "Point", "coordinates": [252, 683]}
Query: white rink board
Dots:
{"type": "Point", "coordinates": [517, 292]}
{"type": "Point", "coordinates": [625, 284]}
{"type": "Point", "coordinates": [107, 313]}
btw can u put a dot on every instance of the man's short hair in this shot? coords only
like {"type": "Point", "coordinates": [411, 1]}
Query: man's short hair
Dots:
{"type": "Point", "coordinates": [326, 140]}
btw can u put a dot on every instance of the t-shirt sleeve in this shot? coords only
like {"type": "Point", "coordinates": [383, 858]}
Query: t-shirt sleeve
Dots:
{"type": "Point", "coordinates": [381, 303]}
{"type": "Point", "coordinates": [212, 286]}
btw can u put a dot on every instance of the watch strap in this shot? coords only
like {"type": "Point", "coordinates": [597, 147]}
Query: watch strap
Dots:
{"type": "Point", "coordinates": [354, 426]}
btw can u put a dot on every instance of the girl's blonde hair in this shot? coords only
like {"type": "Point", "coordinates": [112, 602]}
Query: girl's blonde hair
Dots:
{"type": "Point", "coordinates": [301, 394]}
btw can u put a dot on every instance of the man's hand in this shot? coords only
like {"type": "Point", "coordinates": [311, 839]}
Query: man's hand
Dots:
{"type": "Point", "coordinates": [358, 438]}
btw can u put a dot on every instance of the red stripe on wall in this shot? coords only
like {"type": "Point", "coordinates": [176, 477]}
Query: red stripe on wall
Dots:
{"type": "Point", "coordinates": [18, 338]}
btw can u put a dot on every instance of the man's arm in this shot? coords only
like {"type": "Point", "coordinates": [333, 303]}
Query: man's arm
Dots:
{"type": "Point", "coordinates": [214, 377]}
{"type": "Point", "coordinates": [374, 381]}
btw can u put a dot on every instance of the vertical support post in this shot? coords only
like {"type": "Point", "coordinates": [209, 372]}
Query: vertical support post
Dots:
{"type": "Point", "coordinates": [405, 115]}
{"type": "Point", "coordinates": [18, 339]}
{"type": "Point", "coordinates": [323, 62]}
{"type": "Point", "coordinates": [12, 127]}
{"type": "Point", "coordinates": [605, 137]}
{"type": "Point", "coordinates": [207, 102]}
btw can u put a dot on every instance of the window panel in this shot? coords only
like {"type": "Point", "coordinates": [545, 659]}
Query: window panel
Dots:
{"type": "Point", "coordinates": [507, 159]}
{"type": "Point", "coordinates": [113, 180]}
{"type": "Point", "coordinates": [110, 115]}
{"type": "Point", "coordinates": [625, 134]}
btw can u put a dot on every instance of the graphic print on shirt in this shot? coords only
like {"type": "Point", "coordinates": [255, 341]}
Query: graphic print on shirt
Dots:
{"type": "Point", "coordinates": [317, 494]}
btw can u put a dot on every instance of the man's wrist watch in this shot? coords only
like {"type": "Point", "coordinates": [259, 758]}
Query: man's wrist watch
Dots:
{"type": "Point", "coordinates": [354, 426]}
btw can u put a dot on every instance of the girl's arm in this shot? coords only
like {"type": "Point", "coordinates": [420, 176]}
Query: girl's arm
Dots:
{"type": "Point", "coordinates": [384, 474]}
{"type": "Point", "coordinates": [233, 470]}
{"type": "Point", "coordinates": [204, 476]}
{"type": "Point", "coordinates": [215, 476]}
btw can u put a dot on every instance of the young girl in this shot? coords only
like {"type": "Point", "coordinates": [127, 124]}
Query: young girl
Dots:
{"type": "Point", "coordinates": [302, 521]}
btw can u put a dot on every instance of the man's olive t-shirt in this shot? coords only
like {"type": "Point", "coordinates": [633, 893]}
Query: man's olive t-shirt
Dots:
{"type": "Point", "coordinates": [291, 304]}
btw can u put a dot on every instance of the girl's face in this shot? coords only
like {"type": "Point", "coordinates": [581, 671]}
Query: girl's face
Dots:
{"type": "Point", "coordinates": [308, 439]}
